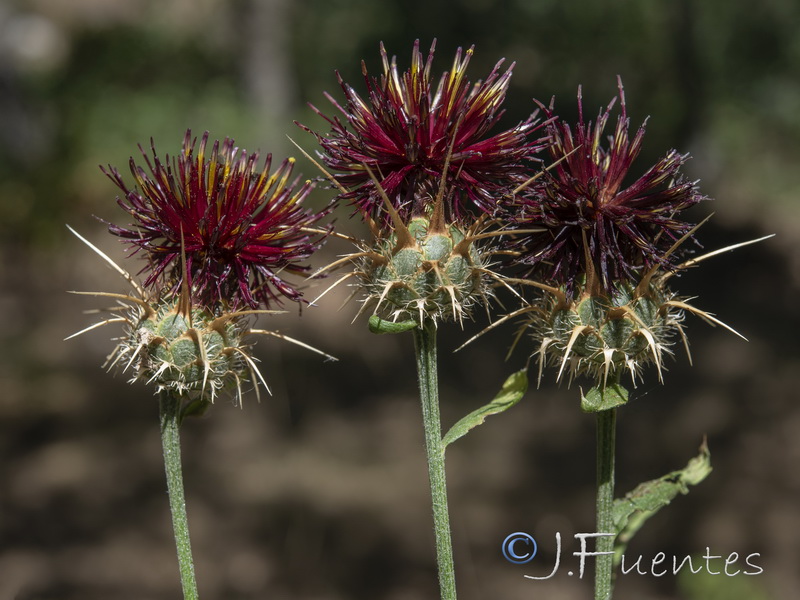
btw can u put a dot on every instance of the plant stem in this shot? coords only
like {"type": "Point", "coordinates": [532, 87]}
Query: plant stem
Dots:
{"type": "Point", "coordinates": [606, 427]}
{"type": "Point", "coordinates": [425, 346]}
{"type": "Point", "coordinates": [169, 405]}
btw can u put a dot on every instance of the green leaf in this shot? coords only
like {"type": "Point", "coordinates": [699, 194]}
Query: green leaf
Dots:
{"type": "Point", "coordinates": [512, 391]}
{"type": "Point", "coordinates": [378, 325]}
{"type": "Point", "coordinates": [632, 511]}
{"type": "Point", "coordinates": [604, 398]}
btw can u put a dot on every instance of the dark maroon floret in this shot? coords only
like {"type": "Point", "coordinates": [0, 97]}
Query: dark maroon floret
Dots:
{"type": "Point", "coordinates": [242, 229]}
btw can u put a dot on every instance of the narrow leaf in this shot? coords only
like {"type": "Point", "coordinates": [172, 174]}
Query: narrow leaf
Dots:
{"type": "Point", "coordinates": [631, 512]}
{"type": "Point", "coordinates": [512, 391]}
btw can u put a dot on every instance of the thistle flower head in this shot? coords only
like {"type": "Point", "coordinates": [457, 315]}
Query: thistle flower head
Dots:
{"type": "Point", "coordinates": [195, 352]}
{"type": "Point", "coordinates": [595, 221]}
{"type": "Point", "coordinates": [417, 139]}
{"type": "Point", "coordinates": [240, 227]}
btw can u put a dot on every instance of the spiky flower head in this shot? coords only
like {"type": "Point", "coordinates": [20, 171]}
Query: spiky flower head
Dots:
{"type": "Point", "coordinates": [604, 261]}
{"type": "Point", "coordinates": [241, 228]}
{"type": "Point", "coordinates": [416, 138]}
{"type": "Point", "coordinates": [601, 335]}
{"type": "Point", "coordinates": [423, 170]}
{"type": "Point", "coordinates": [186, 350]}
{"type": "Point", "coordinates": [191, 351]}
{"type": "Point", "coordinates": [594, 220]}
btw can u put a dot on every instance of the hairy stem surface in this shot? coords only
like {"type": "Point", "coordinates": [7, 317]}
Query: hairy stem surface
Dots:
{"type": "Point", "coordinates": [169, 405]}
{"type": "Point", "coordinates": [606, 428]}
{"type": "Point", "coordinates": [425, 346]}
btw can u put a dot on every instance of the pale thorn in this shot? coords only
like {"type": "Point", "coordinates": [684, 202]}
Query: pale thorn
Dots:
{"type": "Point", "coordinates": [656, 351]}
{"type": "Point", "coordinates": [148, 310]}
{"type": "Point", "coordinates": [96, 325]}
{"type": "Point", "coordinates": [404, 237]}
{"type": "Point", "coordinates": [451, 290]}
{"type": "Point", "coordinates": [517, 337]}
{"type": "Point", "coordinates": [158, 372]}
{"type": "Point", "coordinates": [133, 357]}
{"type": "Point", "coordinates": [562, 298]}
{"type": "Point", "coordinates": [286, 338]}
{"type": "Point", "coordinates": [363, 308]}
{"type": "Point", "coordinates": [498, 233]}
{"type": "Point", "coordinates": [687, 235]}
{"type": "Point", "coordinates": [498, 252]}
{"type": "Point", "coordinates": [347, 300]}
{"type": "Point", "coordinates": [632, 368]}
{"type": "Point", "coordinates": [386, 289]}
{"type": "Point", "coordinates": [632, 314]}
{"type": "Point", "coordinates": [238, 389]}
{"type": "Point", "coordinates": [608, 359]}
{"type": "Point", "coordinates": [522, 186]}
{"type": "Point", "coordinates": [116, 354]}
{"type": "Point", "coordinates": [433, 265]}
{"type": "Point", "coordinates": [330, 177]}
{"type": "Point", "coordinates": [240, 313]}
{"type": "Point", "coordinates": [542, 355]}
{"type": "Point", "coordinates": [706, 316]}
{"type": "Point", "coordinates": [485, 303]}
{"type": "Point", "coordinates": [344, 259]}
{"type": "Point", "coordinates": [574, 364]}
{"type": "Point", "coordinates": [184, 306]}
{"type": "Point", "coordinates": [501, 320]}
{"type": "Point", "coordinates": [685, 341]}
{"type": "Point", "coordinates": [254, 371]}
{"type": "Point", "coordinates": [330, 232]}
{"type": "Point", "coordinates": [501, 280]}
{"type": "Point", "coordinates": [592, 280]}
{"type": "Point", "coordinates": [694, 261]}
{"type": "Point", "coordinates": [112, 309]}
{"type": "Point", "coordinates": [642, 287]}
{"type": "Point", "coordinates": [572, 339]}
{"type": "Point", "coordinates": [437, 216]}
{"type": "Point", "coordinates": [337, 282]}
{"type": "Point", "coordinates": [198, 340]}
{"type": "Point", "coordinates": [127, 276]}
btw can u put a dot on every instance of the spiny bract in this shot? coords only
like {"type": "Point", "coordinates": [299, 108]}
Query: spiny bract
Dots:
{"type": "Point", "coordinates": [432, 274]}
{"type": "Point", "coordinates": [602, 334]}
{"type": "Point", "coordinates": [191, 352]}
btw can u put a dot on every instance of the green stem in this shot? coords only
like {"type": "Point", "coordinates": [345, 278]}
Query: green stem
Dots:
{"type": "Point", "coordinates": [169, 405]}
{"type": "Point", "coordinates": [425, 346]}
{"type": "Point", "coordinates": [606, 427]}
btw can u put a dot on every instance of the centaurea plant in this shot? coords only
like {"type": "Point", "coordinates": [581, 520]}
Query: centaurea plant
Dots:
{"type": "Point", "coordinates": [418, 163]}
{"type": "Point", "coordinates": [218, 233]}
{"type": "Point", "coordinates": [449, 202]}
{"type": "Point", "coordinates": [602, 266]}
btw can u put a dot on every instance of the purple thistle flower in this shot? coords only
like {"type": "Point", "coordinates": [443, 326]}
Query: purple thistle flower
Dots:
{"type": "Point", "coordinates": [409, 134]}
{"type": "Point", "coordinates": [241, 228]}
{"type": "Point", "coordinates": [590, 214]}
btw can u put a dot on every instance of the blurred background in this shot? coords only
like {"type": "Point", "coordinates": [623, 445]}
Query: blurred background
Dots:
{"type": "Point", "coordinates": [320, 491]}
